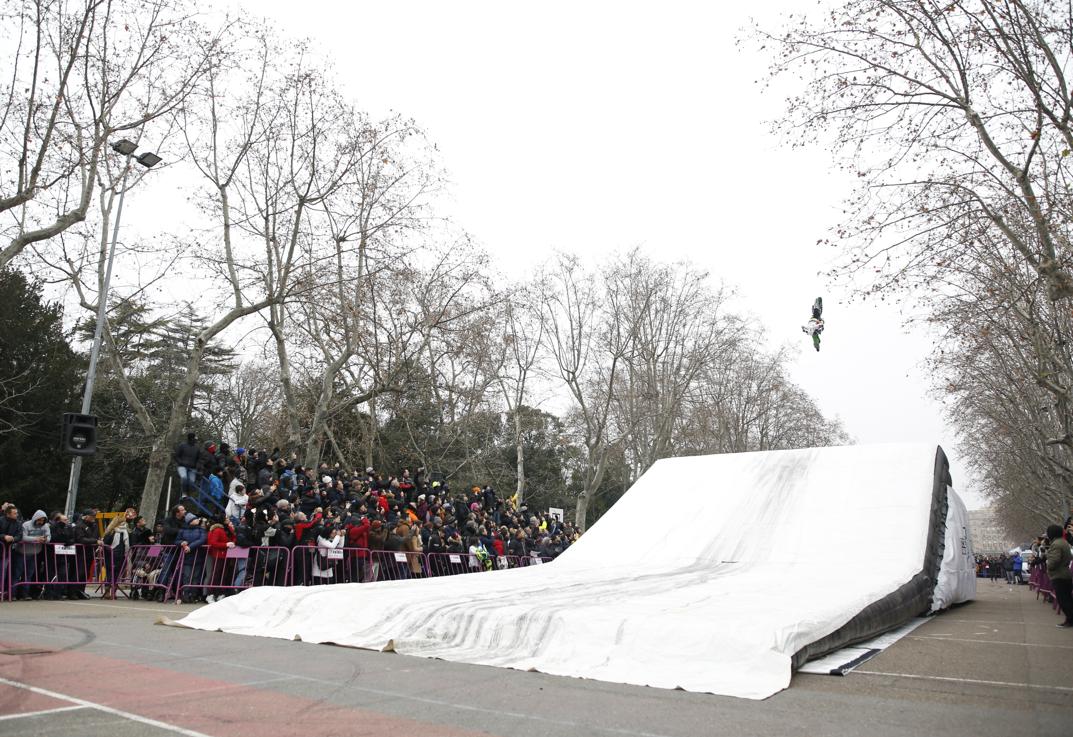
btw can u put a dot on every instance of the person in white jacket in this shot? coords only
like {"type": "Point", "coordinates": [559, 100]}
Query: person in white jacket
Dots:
{"type": "Point", "coordinates": [323, 566]}
{"type": "Point", "coordinates": [237, 499]}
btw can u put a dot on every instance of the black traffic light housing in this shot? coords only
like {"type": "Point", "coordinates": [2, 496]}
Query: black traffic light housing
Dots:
{"type": "Point", "coordinates": [80, 434]}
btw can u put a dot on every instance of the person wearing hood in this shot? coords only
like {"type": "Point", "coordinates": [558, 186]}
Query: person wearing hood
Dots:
{"type": "Point", "coordinates": [29, 561]}
{"type": "Point", "coordinates": [237, 500]}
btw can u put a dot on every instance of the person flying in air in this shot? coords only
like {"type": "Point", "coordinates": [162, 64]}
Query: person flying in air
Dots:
{"type": "Point", "coordinates": [815, 324]}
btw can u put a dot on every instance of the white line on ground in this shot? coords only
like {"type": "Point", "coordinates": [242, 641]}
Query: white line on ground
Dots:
{"type": "Point", "coordinates": [964, 680]}
{"type": "Point", "coordinates": [400, 695]}
{"type": "Point", "coordinates": [105, 709]}
{"type": "Point", "coordinates": [989, 642]}
{"type": "Point", "coordinates": [172, 612]}
{"type": "Point", "coordinates": [28, 714]}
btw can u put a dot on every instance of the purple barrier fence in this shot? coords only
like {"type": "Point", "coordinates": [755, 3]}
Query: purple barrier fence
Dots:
{"type": "Point", "coordinates": [5, 572]}
{"type": "Point", "coordinates": [203, 574]}
{"type": "Point", "coordinates": [533, 560]}
{"type": "Point", "coordinates": [148, 571]}
{"type": "Point", "coordinates": [317, 566]}
{"type": "Point", "coordinates": [450, 564]}
{"type": "Point", "coordinates": [391, 565]}
{"type": "Point", "coordinates": [54, 570]}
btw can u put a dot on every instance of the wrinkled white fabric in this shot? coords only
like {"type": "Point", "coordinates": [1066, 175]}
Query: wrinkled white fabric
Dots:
{"type": "Point", "coordinates": [708, 575]}
{"type": "Point", "coordinates": [957, 576]}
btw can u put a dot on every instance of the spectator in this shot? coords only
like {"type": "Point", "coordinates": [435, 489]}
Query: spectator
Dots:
{"type": "Point", "coordinates": [116, 542]}
{"type": "Point", "coordinates": [28, 563]}
{"type": "Point", "coordinates": [220, 572]}
{"type": "Point", "coordinates": [62, 533]}
{"type": "Point", "coordinates": [1059, 558]}
{"type": "Point", "coordinates": [191, 538]}
{"type": "Point", "coordinates": [87, 538]}
{"type": "Point", "coordinates": [186, 457]}
{"type": "Point", "coordinates": [237, 499]}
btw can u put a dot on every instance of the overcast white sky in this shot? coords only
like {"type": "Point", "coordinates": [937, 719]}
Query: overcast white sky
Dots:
{"type": "Point", "coordinates": [594, 127]}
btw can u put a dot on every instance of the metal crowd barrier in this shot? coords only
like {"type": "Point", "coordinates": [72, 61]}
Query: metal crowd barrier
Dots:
{"type": "Point", "coordinates": [148, 571]}
{"type": "Point", "coordinates": [201, 574]}
{"type": "Point", "coordinates": [5, 573]}
{"type": "Point", "coordinates": [312, 565]}
{"type": "Point", "coordinates": [166, 572]}
{"type": "Point", "coordinates": [54, 570]}
{"type": "Point", "coordinates": [392, 565]}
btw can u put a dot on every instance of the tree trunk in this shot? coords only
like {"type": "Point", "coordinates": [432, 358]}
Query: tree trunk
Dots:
{"type": "Point", "coordinates": [520, 454]}
{"type": "Point", "coordinates": [294, 433]}
{"type": "Point", "coordinates": [582, 510]}
{"type": "Point", "coordinates": [159, 456]}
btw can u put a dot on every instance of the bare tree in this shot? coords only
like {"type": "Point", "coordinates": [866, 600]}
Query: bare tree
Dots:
{"type": "Point", "coordinates": [81, 73]}
{"type": "Point", "coordinates": [521, 336]}
{"type": "Point", "coordinates": [952, 114]}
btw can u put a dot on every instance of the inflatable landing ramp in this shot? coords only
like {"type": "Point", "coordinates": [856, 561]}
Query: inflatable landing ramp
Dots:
{"type": "Point", "coordinates": [718, 574]}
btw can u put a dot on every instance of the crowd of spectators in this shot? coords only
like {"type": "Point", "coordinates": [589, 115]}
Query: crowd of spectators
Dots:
{"type": "Point", "coordinates": [262, 499]}
{"type": "Point", "coordinates": [1045, 564]}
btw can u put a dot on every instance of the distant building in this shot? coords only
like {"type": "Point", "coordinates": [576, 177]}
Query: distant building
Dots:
{"type": "Point", "coordinates": [989, 537]}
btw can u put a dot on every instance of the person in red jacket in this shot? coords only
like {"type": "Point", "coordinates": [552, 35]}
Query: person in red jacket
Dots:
{"type": "Point", "coordinates": [357, 536]}
{"type": "Point", "coordinates": [221, 571]}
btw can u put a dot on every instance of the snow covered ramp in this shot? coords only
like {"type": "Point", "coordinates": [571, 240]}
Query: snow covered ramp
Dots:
{"type": "Point", "coordinates": [713, 573]}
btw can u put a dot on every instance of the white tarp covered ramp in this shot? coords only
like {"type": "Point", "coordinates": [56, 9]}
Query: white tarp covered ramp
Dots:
{"type": "Point", "coordinates": [713, 573]}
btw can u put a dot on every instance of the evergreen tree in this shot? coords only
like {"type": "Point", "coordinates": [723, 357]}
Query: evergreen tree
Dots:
{"type": "Point", "coordinates": [40, 379]}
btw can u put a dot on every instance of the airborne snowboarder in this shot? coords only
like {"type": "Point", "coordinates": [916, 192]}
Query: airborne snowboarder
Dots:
{"type": "Point", "coordinates": [815, 325]}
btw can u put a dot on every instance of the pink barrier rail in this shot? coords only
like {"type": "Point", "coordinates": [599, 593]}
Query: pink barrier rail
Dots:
{"type": "Point", "coordinates": [199, 573]}
{"type": "Point", "coordinates": [165, 572]}
{"type": "Point", "coordinates": [318, 566]}
{"type": "Point", "coordinates": [392, 565]}
{"type": "Point", "coordinates": [148, 571]}
{"type": "Point", "coordinates": [5, 573]}
{"type": "Point", "coordinates": [55, 570]}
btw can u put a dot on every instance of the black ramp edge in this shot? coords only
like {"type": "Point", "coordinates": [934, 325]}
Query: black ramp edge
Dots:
{"type": "Point", "coordinates": [911, 599]}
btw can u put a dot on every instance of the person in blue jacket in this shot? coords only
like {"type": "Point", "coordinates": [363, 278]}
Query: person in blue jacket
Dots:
{"type": "Point", "coordinates": [192, 538]}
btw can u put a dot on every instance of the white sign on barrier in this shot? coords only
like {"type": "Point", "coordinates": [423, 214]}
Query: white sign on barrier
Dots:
{"type": "Point", "coordinates": [335, 554]}
{"type": "Point", "coordinates": [455, 558]}
{"type": "Point", "coordinates": [556, 513]}
{"type": "Point", "coordinates": [65, 550]}
{"type": "Point", "coordinates": [400, 557]}
{"type": "Point", "coordinates": [537, 561]}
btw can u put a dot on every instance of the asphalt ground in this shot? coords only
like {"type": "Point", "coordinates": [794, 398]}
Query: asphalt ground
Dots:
{"type": "Point", "coordinates": [997, 666]}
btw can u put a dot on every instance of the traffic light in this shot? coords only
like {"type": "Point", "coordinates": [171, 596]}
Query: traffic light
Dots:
{"type": "Point", "coordinates": [80, 434]}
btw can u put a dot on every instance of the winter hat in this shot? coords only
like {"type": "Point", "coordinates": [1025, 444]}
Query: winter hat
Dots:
{"type": "Point", "coordinates": [325, 479]}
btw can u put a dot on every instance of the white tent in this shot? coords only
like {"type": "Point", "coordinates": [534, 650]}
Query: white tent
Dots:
{"type": "Point", "coordinates": [712, 573]}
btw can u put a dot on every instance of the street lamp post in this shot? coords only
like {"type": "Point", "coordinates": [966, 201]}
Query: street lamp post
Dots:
{"type": "Point", "coordinates": [147, 159]}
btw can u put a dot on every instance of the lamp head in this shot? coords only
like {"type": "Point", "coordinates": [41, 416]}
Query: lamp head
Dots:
{"type": "Point", "coordinates": [148, 159]}
{"type": "Point", "coordinates": [123, 146]}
